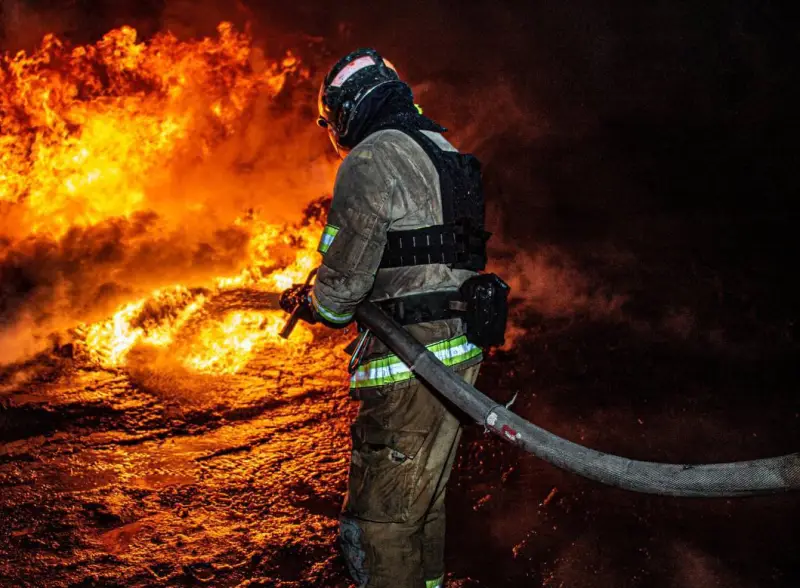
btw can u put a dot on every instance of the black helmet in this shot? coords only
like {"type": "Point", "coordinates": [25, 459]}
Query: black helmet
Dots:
{"type": "Point", "coordinates": [345, 87]}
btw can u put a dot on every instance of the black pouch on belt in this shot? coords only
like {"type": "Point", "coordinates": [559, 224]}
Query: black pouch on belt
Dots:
{"type": "Point", "coordinates": [486, 299]}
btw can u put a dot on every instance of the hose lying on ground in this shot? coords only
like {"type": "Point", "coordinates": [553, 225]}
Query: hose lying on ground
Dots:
{"type": "Point", "coordinates": [760, 476]}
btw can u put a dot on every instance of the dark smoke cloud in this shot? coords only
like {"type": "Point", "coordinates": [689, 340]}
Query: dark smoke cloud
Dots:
{"type": "Point", "coordinates": [23, 26]}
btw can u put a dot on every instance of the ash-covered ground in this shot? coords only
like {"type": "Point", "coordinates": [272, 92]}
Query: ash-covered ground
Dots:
{"type": "Point", "coordinates": [151, 476]}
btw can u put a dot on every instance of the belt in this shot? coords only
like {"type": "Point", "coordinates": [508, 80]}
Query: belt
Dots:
{"type": "Point", "coordinates": [424, 308]}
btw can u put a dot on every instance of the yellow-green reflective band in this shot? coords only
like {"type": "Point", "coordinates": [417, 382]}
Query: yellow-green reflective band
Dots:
{"type": "Point", "coordinates": [328, 235]}
{"type": "Point", "coordinates": [391, 369]}
{"type": "Point", "coordinates": [328, 314]}
{"type": "Point", "coordinates": [419, 109]}
{"type": "Point", "coordinates": [437, 583]}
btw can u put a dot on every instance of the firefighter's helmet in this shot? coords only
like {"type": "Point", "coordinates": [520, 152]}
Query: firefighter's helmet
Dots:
{"type": "Point", "coordinates": [346, 86]}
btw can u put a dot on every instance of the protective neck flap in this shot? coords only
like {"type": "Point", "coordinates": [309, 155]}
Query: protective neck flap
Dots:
{"type": "Point", "coordinates": [386, 107]}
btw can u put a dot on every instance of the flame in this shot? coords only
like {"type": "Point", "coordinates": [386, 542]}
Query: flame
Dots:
{"type": "Point", "coordinates": [265, 249]}
{"type": "Point", "coordinates": [151, 321]}
{"type": "Point", "coordinates": [88, 131]}
{"type": "Point", "coordinates": [96, 132]}
{"type": "Point", "coordinates": [227, 346]}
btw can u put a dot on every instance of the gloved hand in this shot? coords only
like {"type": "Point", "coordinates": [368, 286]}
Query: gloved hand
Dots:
{"type": "Point", "coordinates": [294, 296]}
{"type": "Point", "coordinates": [297, 298]}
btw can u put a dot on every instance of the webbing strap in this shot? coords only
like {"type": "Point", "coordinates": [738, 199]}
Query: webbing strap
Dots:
{"type": "Point", "coordinates": [424, 308]}
{"type": "Point", "coordinates": [436, 244]}
{"type": "Point", "coordinates": [454, 244]}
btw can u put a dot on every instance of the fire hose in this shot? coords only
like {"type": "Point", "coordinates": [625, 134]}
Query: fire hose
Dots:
{"type": "Point", "coordinates": [743, 478]}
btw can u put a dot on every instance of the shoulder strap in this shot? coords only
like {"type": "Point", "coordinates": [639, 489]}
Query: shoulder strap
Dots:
{"type": "Point", "coordinates": [437, 156]}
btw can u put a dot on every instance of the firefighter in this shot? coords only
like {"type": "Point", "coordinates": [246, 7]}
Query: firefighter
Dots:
{"type": "Point", "coordinates": [405, 230]}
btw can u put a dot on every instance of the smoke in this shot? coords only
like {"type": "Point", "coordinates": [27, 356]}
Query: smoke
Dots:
{"type": "Point", "coordinates": [696, 568]}
{"type": "Point", "coordinates": [182, 17]}
{"type": "Point", "coordinates": [23, 339]}
{"type": "Point", "coordinates": [483, 115]}
{"type": "Point", "coordinates": [547, 282]}
{"type": "Point", "coordinates": [23, 27]}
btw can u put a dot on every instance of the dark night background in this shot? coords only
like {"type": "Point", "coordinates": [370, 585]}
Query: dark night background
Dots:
{"type": "Point", "coordinates": [642, 157]}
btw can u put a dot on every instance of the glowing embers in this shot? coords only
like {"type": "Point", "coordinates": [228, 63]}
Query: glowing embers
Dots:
{"type": "Point", "coordinates": [226, 346]}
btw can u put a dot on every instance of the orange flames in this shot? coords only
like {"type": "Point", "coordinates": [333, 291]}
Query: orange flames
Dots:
{"type": "Point", "coordinates": [228, 343]}
{"type": "Point", "coordinates": [226, 346]}
{"type": "Point", "coordinates": [104, 131]}
{"type": "Point", "coordinates": [88, 131]}
{"type": "Point", "coordinates": [109, 342]}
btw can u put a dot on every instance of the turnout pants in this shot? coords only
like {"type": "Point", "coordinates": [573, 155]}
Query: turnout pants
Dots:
{"type": "Point", "coordinates": [392, 526]}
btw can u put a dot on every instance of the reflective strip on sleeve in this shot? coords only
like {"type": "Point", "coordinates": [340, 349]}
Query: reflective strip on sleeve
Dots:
{"type": "Point", "coordinates": [391, 369]}
{"type": "Point", "coordinates": [328, 235]}
{"type": "Point", "coordinates": [328, 314]}
{"type": "Point", "coordinates": [437, 583]}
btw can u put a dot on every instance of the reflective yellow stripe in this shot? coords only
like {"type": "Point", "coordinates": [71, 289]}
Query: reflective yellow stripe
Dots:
{"type": "Point", "coordinates": [328, 235]}
{"type": "Point", "coordinates": [391, 369]}
{"type": "Point", "coordinates": [437, 583]}
{"type": "Point", "coordinates": [328, 314]}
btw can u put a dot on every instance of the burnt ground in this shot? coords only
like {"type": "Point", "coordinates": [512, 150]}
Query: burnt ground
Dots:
{"type": "Point", "coordinates": [678, 344]}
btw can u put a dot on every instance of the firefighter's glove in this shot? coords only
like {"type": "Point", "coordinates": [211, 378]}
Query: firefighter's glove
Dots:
{"type": "Point", "coordinates": [297, 300]}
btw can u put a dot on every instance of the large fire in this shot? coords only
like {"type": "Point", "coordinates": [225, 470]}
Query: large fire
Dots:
{"type": "Point", "coordinates": [104, 131]}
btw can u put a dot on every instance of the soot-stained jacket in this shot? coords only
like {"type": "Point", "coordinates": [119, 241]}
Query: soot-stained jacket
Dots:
{"type": "Point", "coordinates": [386, 183]}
